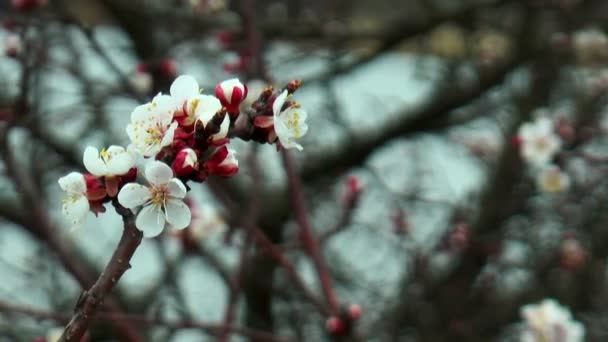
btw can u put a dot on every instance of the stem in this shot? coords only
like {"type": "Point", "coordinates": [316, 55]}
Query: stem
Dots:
{"type": "Point", "coordinates": [90, 300]}
{"type": "Point", "coordinates": [311, 244]}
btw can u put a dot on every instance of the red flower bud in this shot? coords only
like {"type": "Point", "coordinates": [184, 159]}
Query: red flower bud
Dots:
{"type": "Point", "coordinates": [231, 93]}
{"type": "Point", "coordinates": [185, 163]}
{"type": "Point", "coordinates": [222, 163]}
{"type": "Point", "coordinates": [168, 67]}
{"type": "Point", "coordinates": [335, 326]}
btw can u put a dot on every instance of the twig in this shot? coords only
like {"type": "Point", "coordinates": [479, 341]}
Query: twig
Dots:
{"type": "Point", "coordinates": [90, 300]}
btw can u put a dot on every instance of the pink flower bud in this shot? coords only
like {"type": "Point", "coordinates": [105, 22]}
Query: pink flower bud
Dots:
{"type": "Point", "coordinates": [231, 93]}
{"type": "Point", "coordinates": [223, 163]}
{"type": "Point", "coordinates": [572, 254]}
{"type": "Point", "coordinates": [355, 312]}
{"type": "Point", "coordinates": [26, 5]}
{"type": "Point", "coordinates": [168, 67]}
{"type": "Point", "coordinates": [185, 162]}
{"type": "Point", "coordinates": [335, 326]}
{"type": "Point", "coordinates": [96, 191]}
{"type": "Point", "coordinates": [353, 189]}
{"type": "Point", "coordinates": [12, 45]}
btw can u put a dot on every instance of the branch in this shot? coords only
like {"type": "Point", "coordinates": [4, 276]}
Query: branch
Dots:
{"type": "Point", "coordinates": [90, 300]}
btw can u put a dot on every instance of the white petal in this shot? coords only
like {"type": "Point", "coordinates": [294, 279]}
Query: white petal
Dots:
{"type": "Point", "coordinates": [228, 87]}
{"type": "Point", "coordinates": [177, 213]}
{"type": "Point", "coordinates": [177, 189]}
{"type": "Point", "coordinates": [120, 163]}
{"type": "Point", "coordinates": [158, 173]}
{"type": "Point", "coordinates": [278, 103]}
{"type": "Point", "coordinates": [76, 210]}
{"type": "Point", "coordinates": [93, 163]}
{"type": "Point", "coordinates": [133, 195]}
{"type": "Point", "coordinates": [168, 137]}
{"type": "Point", "coordinates": [73, 183]}
{"type": "Point", "coordinates": [223, 129]}
{"type": "Point", "coordinates": [206, 107]}
{"type": "Point", "coordinates": [150, 221]}
{"type": "Point", "coordinates": [184, 87]}
{"type": "Point", "coordinates": [140, 112]}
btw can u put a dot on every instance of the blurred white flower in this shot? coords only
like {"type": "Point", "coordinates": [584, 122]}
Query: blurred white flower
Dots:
{"type": "Point", "coordinates": [162, 201]}
{"type": "Point", "coordinates": [12, 45]}
{"type": "Point", "coordinates": [151, 126]}
{"type": "Point", "coordinates": [289, 124]}
{"type": "Point", "coordinates": [539, 141]}
{"type": "Point", "coordinates": [551, 179]}
{"type": "Point", "coordinates": [141, 82]}
{"type": "Point", "coordinates": [114, 161]}
{"type": "Point", "coordinates": [54, 334]}
{"type": "Point", "coordinates": [550, 322]}
{"type": "Point", "coordinates": [75, 204]}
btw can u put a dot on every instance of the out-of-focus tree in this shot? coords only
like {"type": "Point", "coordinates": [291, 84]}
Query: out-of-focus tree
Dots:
{"type": "Point", "coordinates": [440, 177]}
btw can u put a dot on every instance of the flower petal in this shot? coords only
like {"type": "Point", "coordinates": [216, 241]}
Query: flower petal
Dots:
{"type": "Point", "coordinates": [150, 221]}
{"type": "Point", "coordinates": [177, 213]}
{"type": "Point", "coordinates": [73, 183]}
{"type": "Point", "coordinates": [224, 127]}
{"type": "Point", "coordinates": [158, 173]}
{"type": "Point", "coordinates": [121, 163]}
{"type": "Point", "coordinates": [168, 137]}
{"type": "Point", "coordinates": [182, 88]}
{"type": "Point", "coordinates": [278, 103]}
{"type": "Point", "coordinates": [177, 189]}
{"type": "Point", "coordinates": [93, 163]}
{"type": "Point", "coordinates": [205, 108]}
{"type": "Point", "coordinates": [133, 195]}
{"type": "Point", "coordinates": [76, 210]}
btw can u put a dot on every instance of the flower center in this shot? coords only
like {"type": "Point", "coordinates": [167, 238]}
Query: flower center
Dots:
{"type": "Point", "coordinates": [155, 134]}
{"type": "Point", "coordinates": [105, 155]}
{"type": "Point", "coordinates": [293, 123]}
{"type": "Point", "coordinates": [71, 198]}
{"type": "Point", "coordinates": [159, 195]}
{"type": "Point", "coordinates": [542, 143]}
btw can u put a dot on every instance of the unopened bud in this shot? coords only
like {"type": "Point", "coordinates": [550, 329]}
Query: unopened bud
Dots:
{"type": "Point", "coordinates": [231, 93]}
{"type": "Point", "coordinates": [185, 162]}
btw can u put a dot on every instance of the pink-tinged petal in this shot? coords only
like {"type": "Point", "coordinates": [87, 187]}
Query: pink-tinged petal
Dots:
{"type": "Point", "coordinates": [158, 173]}
{"type": "Point", "coordinates": [177, 214]}
{"type": "Point", "coordinates": [177, 189]}
{"type": "Point", "coordinates": [150, 221]}
{"type": "Point", "coordinates": [133, 195]}
{"type": "Point", "coordinates": [263, 121]}
{"type": "Point", "coordinates": [182, 88]}
{"type": "Point", "coordinates": [93, 163]}
{"type": "Point", "coordinates": [278, 103]}
{"type": "Point", "coordinates": [73, 183]}
{"type": "Point", "coordinates": [76, 209]}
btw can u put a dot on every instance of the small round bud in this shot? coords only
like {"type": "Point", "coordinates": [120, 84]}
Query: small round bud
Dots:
{"type": "Point", "coordinates": [355, 311]}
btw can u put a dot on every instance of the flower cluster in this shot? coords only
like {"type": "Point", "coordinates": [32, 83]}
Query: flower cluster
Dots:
{"type": "Point", "coordinates": [538, 145]}
{"type": "Point", "coordinates": [549, 321]}
{"type": "Point", "coordinates": [184, 136]}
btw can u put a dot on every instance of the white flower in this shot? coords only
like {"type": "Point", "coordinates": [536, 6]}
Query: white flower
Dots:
{"type": "Point", "coordinates": [550, 322]}
{"type": "Point", "coordinates": [114, 161]}
{"type": "Point", "coordinates": [551, 179]}
{"type": "Point", "coordinates": [151, 126]}
{"type": "Point", "coordinates": [162, 201]}
{"type": "Point", "coordinates": [54, 334]}
{"type": "Point", "coordinates": [75, 205]}
{"type": "Point", "coordinates": [290, 123]}
{"type": "Point", "coordinates": [205, 221]}
{"type": "Point", "coordinates": [141, 82]}
{"type": "Point", "coordinates": [539, 142]}
{"type": "Point", "coordinates": [191, 106]}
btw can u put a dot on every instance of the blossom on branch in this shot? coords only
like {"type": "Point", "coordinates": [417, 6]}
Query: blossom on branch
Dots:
{"type": "Point", "coordinates": [549, 321]}
{"type": "Point", "coordinates": [289, 123]}
{"type": "Point", "coordinates": [162, 201]}
{"type": "Point", "coordinates": [152, 126]}
{"type": "Point", "coordinates": [539, 143]}
{"type": "Point", "coordinates": [76, 204]}
{"type": "Point", "coordinates": [552, 180]}
{"type": "Point", "coordinates": [222, 163]}
{"type": "Point", "coordinates": [114, 161]}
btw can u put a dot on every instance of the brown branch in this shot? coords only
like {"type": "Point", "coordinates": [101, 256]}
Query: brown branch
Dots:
{"type": "Point", "coordinates": [119, 263]}
{"type": "Point", "coordinates": [210, 328]}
